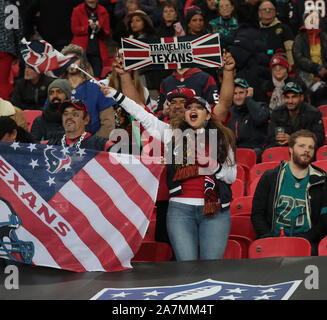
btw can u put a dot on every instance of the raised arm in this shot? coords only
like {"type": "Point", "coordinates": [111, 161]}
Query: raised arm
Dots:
{"type": "Point", "coordinates": [221, 109]}
{"type": "Point", "coordinates": [151, 123]}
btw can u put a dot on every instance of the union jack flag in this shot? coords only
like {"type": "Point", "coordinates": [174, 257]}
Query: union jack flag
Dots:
{"type": "Point", "coordinates": [74, 209]}
{"type": "Point", "coordinates": [40, 55]}
{"type": "Point", "coordinates": [173, 52]}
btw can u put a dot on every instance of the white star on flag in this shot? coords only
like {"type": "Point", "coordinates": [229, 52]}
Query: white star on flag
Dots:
{"type": "Point", "coordinates": [236, 290]}
{"type": "Point", "coordinates": [64, 150]}
{"type": "Point", "coordinates": [264, 297]}
{"type": "Point", "coordinates": [81, 152]}
{"type": "Point", "coordinates": [230, 297]}
{"type": "Point", "coordinates": [120, 295]}
{"type": "Point", "coordinates": [34, 163]}
{"type": "Point", "coordinates": [270, 290]}
{"type": "Point", "coordinates": [51, 181]}
{"type": "Point", "coordinates": [15, 145]}
{"type": "Point", "coordinates": [152, 293]}
{"type": "Point", "coordinates": [32, 147]}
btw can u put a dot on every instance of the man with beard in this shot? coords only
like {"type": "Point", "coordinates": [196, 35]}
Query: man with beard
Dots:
{"type": "Point", "coordinates": [292, 196]}
{"type": "Point", "coordinates": [49, 123]}
{"type": "Point", "coordinates": [75, 118]}
{"type": "Point", "coordinates": [294, 115]}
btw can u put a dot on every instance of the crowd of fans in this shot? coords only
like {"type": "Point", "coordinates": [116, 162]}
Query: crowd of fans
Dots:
{"type": "Point", "coordinates": [277, 50]}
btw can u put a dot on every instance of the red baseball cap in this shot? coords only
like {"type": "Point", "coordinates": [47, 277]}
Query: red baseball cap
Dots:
{"type": "Point", "coordinates": [181, 92]}
{"type": "Point", "coordinates": [76, 103]}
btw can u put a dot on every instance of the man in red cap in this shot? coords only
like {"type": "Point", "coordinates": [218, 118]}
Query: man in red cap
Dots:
{"type": "Point", "coordinates": [75, 117]}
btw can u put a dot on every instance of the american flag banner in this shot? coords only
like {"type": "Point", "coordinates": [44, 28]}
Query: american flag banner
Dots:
{"type": "Point", "coordinates": [40, 55]}
{"type": "Point", "coordinates": [204, 290]}
{"type": "Point", "coordinates": [172, 53]}
{"type": "Point", "coordinates": [74, 209]}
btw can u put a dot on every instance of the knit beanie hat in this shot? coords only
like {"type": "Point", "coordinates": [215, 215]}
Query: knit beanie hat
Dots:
{"type": "Point", "coordinates": [192, 11]}
{"type": "Point", "coordinates": [278, 60]}
{"type": "Point", "coordinates": [64, 85]}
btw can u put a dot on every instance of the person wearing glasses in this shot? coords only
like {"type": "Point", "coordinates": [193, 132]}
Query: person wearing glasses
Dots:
{"type": "Point", "coordinates": [278, 36]}
{"type": "Point", "coordinates": [75, 118]}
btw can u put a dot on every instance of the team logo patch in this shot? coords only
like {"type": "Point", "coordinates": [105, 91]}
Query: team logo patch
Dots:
{"type": "Point", "coordinates": [205, 290]}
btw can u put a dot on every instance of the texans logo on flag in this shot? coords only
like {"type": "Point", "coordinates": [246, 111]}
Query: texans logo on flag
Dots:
{"type": "Point", "coordinates": [55, 164]}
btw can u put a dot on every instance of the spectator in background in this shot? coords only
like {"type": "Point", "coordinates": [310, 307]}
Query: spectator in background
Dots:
{"type": "Point", "coordinates": [294, 115]}
{"type": "Point", "coordinates": [140, 27]}
{"type": "Point", "coordinates": [11, 32]}
{"type": "Point", "coordinates": [99, 107]}
{"type": "Point", "coordinates": [208, 8]}
{"type": "Point", "coordinates": [11, 132]}
{"type": "Point", "coordinates": [293, 195]}
{"type": "Point", "coordinates": [8, 110]}
{"type": "Point", "coordinates": [145, 5]}
{"type": "Point", "coordinates": [204, 86]}
{"type": "Point", "coordinates": [120, 30]}
{"type": "Point", "coordinates": [30, 92]}
{"type": "Point", "coordinates": [194, 21]}
{"type": "Point", "coordinates": [249, 119]}
{"type": "Point", "coordinates": [54, 20]}
{"type": "Point", "coordinates": [75, 118]}
{"type": "Point", "coordinates": [49, 123]}
{"type": "Point", "coordinates": [169, 17]}
{"type": "Point", "coordinates": [226, 23]}
{"type": "Point", "coordinates": [277, 36]}
{"type": "Point", "coordinates": [249, 50]}
{"type": "Point", "coordinates": [310, 50]}
{"type": "Point", "coordinates": [90, 27]}
{"type": "Point", "coordinates": [272, 92]}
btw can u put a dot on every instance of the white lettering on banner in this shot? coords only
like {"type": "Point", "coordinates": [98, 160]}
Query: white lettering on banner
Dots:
{"type": "Point", "coordinates": [33, 200]}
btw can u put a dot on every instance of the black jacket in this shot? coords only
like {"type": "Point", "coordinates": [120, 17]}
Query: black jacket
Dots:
{"type": "Point", "coordinates": [309, 118]}
{"type": "Point", "coordinates": [249, 123]}
{"type": "Point", "coordinates": [266, 197]}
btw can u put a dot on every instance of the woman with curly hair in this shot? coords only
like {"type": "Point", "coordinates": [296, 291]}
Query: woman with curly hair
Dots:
{"type": "Point", "coordinates": [200, 168]}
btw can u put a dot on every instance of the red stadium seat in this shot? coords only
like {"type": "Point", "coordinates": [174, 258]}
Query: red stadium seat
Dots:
{"type": "Point", "coordinates": [241, 206]}
{"type": "Point", "coordinates": [251, 186]}
{"type": "Point", "coordinates": [322, 164]}
{"type": "Point", "coordinates": [323, 110]}
{"type": "Point", "coordinates": [279, 247]}
{"type": "Point", "coordinates": [321, 153]}
{"type": "Point", "coordinates": [243, 232]}
{"type": "Point", "coordinates": [247, 158]}
{"type": "Point", "coordinates": [241, 175]}
{"type": "Point", "coordinates": [242, 226]}
{"type": "Point", "coordinates": [30, 115]}
{"type": "Point", "coordinates": [275, 154]}
{"type": "Point", "coordinates": [259, 168]}
{"type": "Point", "coordinates": [238, 188]}
{"type": "Point", "coordinates": [324, 121]}
{"type": "Point", "coordinates": [233, 250]}
{"type": "Point", "coordinates": [152, 251]}
{"type": "Point", "coordinates": [322, 247]}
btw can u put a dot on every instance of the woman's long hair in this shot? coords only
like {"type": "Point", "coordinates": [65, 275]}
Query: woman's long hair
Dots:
{"type": "Point", "coordinates": [225, 137]}
{"type": "Point", "coordinates": [114, 82]}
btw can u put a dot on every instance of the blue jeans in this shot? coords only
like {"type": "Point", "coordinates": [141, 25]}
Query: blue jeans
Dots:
{"type": "Point", "coordinates": [188, 229]}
